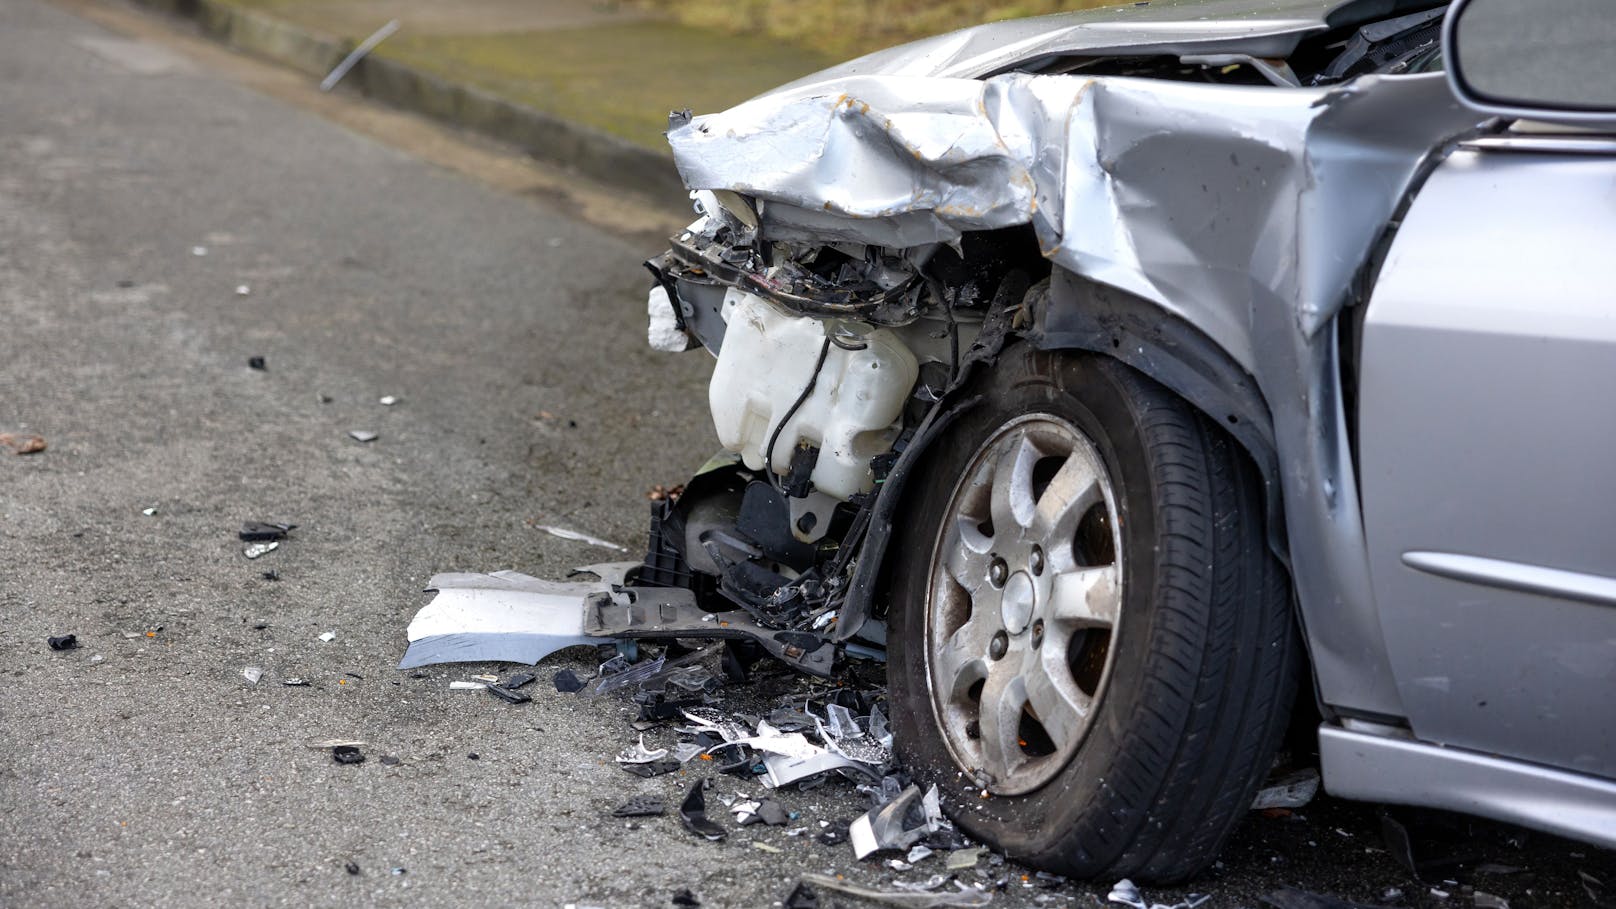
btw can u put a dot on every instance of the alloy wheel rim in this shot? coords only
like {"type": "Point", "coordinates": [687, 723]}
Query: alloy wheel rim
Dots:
{"type": "Point", "coordinates": [1024, 598]}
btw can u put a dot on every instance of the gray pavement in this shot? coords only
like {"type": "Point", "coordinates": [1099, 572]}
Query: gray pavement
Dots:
{"type": "Point", "coordinates": [143, 769]}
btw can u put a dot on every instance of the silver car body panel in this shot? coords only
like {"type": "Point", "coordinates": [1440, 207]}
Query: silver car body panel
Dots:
{"type": "Point", "coordinates": [1359, 765]}
{"type": "Point", "coordinates": [1489, 356]}
{"type": "Point", "coordinates": [1244, 211]}
{"type": "Point", "coordinates": [1259, 28]}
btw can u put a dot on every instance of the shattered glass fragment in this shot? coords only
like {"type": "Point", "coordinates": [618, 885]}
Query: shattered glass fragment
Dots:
{"type": "Point", "coordinates": [578, 536]}
{"type": "Point", "coordinates": [963, 859]}
{"type": "Point", "coordinates": [693, 812]}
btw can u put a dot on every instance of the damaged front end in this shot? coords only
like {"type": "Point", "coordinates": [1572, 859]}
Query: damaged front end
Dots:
{"type": "Point", "coordinates": [869, 236]}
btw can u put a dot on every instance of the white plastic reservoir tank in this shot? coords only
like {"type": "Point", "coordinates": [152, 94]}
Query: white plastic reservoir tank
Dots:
{"type": "Point", "coordinates": [852, 415]}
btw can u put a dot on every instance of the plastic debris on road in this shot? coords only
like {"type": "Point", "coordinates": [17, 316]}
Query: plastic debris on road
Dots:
{"type": "Point", "coordinates": [252, 674]}
{"type": "Point", "coordinates": [505, 616]}
{"type": "Point", "coordinates": [965, 898]}
{"type": "Point", "coordinates": [347, 754]}
{"type": "Point", "coordinates": [1127, 893]}
{"type": "Point", "coordinates": [328, 636]}
{"type": "Point", "coordinates": [263, 531]}
{"type": "Point", "coordinates": [641, 806]}
{"type": "Point", "coordinates": [363, 435]}
{"type": "Point", "coordinates": [898, 824]}
{"type": "Point", "coordinates": [258, 550]}
{"type": "Point", "coordinates": [1294, 790]}
{"type": "Point", "coordinates": [693, 813]}
{"type": "Point", "coordinates": [639, 754]}
{"type": "Point", "coordinates": [63, 642]}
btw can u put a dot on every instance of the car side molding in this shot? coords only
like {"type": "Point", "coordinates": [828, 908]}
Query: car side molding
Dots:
{"type": "Point", "coordinates": [1517, 576]}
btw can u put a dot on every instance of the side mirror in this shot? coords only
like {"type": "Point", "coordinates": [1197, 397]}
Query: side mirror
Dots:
{"type": "Point", "coordinates": [1549, 60]}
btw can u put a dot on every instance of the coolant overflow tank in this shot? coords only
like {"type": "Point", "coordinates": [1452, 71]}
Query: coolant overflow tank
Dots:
{"type": "Point", "coordinates": [852, 415]}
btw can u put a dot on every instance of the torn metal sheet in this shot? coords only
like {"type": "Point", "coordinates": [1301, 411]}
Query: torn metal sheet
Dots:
{"type": "Point", "coordinates": [505, 616]}
{"type": "Point", "coordinates": [663, 613]}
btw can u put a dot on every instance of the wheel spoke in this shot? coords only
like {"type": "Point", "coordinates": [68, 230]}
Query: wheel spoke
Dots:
{"type": "Point", "coordinates": [1073, 491]}
{"type": "Point", "coordinates": [1061, 707]}
{"type": "Point", "coordinates": [967, 558]}
{"type": "Point", "coordinates": [1012, 503]}
{"type": "Point", "coordinates": [1003, 698]}
{"type": "Point", "coordinates": [963, 660]}
{"type": "Point", "coordinates": [1086, 597]}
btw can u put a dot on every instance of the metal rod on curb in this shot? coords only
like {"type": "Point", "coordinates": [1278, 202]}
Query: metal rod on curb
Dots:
{"type": "Point", "coordinates": [365, 47]}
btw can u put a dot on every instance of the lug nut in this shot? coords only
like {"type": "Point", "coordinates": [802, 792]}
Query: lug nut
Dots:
{"type": "Point", "coordinates": [998, 572]}
{"type": "Point", "coordinates": [1000, 644]}
{"type": "Point", "coordinates": [1036, 561]}
{"type": "Point", "coordinates": [1037, 633]}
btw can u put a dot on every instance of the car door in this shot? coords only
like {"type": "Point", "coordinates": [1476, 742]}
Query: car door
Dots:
{"type": "Point", "coordinates": [1487, 437]}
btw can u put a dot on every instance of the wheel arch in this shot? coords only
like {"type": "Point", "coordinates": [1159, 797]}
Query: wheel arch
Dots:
{"type": "Point", "coordinates": [1077, 314]}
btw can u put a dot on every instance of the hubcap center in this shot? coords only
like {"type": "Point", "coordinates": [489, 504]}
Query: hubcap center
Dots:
{"type": "Point", "coordinates": [1015, 609]}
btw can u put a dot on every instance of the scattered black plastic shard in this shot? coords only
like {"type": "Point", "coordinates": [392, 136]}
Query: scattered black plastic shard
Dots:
{"type": "Point", "coordinates": [271, 576]}
{"type": "Point", "coordinates": [352, 867]}
{"type": "Point", "coordinates": [390, 760]}
{"type": "Point", "coordinates": [567, 681]}
{"type": "Point", "coordinates": [347, 754]}
{"type": "Point", "coordinates": [518, 680]}
{"type": "Point", "coordinates": [507, 695]}
{"type": "Point", "coordinates": [835, 834]}
{"type": "Point", "coordinates": [768, 812]}
{"type": "Point", "coordinates": [693, 811]}
{"type": "Point", "coordinates": [654, 768]}
{"type": "Point", "coordinates": [261, 531]}
{"type": "Point", "coordinates": [683, 897]}
{"type": "Point", "coordinates": [802, 897]}
{"type": "Point", "coordinates": [641, 806]}
{"type": "Point", "coordinates": [256, 363]}
{"type": "Point", "coordinates": [63, 642]}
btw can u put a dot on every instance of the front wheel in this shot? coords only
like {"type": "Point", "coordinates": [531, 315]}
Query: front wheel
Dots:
{"type": "Point", "coordinates": [1092, 649]}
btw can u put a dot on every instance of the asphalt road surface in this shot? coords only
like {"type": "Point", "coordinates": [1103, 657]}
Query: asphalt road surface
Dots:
{"type": "Point", "coordinates": [167, 213]}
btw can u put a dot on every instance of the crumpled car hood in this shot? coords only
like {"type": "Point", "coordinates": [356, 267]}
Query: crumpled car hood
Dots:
{"type": "Point", "coordinates": [1217, 202]}
{"type": "Point", "coordinates": [1260, 28]}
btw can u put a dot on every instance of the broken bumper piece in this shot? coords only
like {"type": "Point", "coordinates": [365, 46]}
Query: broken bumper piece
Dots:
{"type": "Point", "coordinates": [665, 613]}
{"type": "Point", "coordinates": [511, 617]}
{"type": "Point", "coordinates": [501, 617]}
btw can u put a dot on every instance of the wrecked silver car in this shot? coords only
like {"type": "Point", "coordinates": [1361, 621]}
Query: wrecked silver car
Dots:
{"type": "Point", "coordinates": [1145, 379]}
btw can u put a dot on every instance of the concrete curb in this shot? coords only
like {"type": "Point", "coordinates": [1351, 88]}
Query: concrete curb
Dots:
{"type": "Point", "coordinates": [547, 137]}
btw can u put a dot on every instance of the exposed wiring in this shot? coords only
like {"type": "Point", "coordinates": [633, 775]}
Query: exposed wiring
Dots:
{"type": "Point", "coordinates": [768, 451]}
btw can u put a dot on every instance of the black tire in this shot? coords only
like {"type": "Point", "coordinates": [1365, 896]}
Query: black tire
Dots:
{"type": "Point", "coordinates": [1204, 654]}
